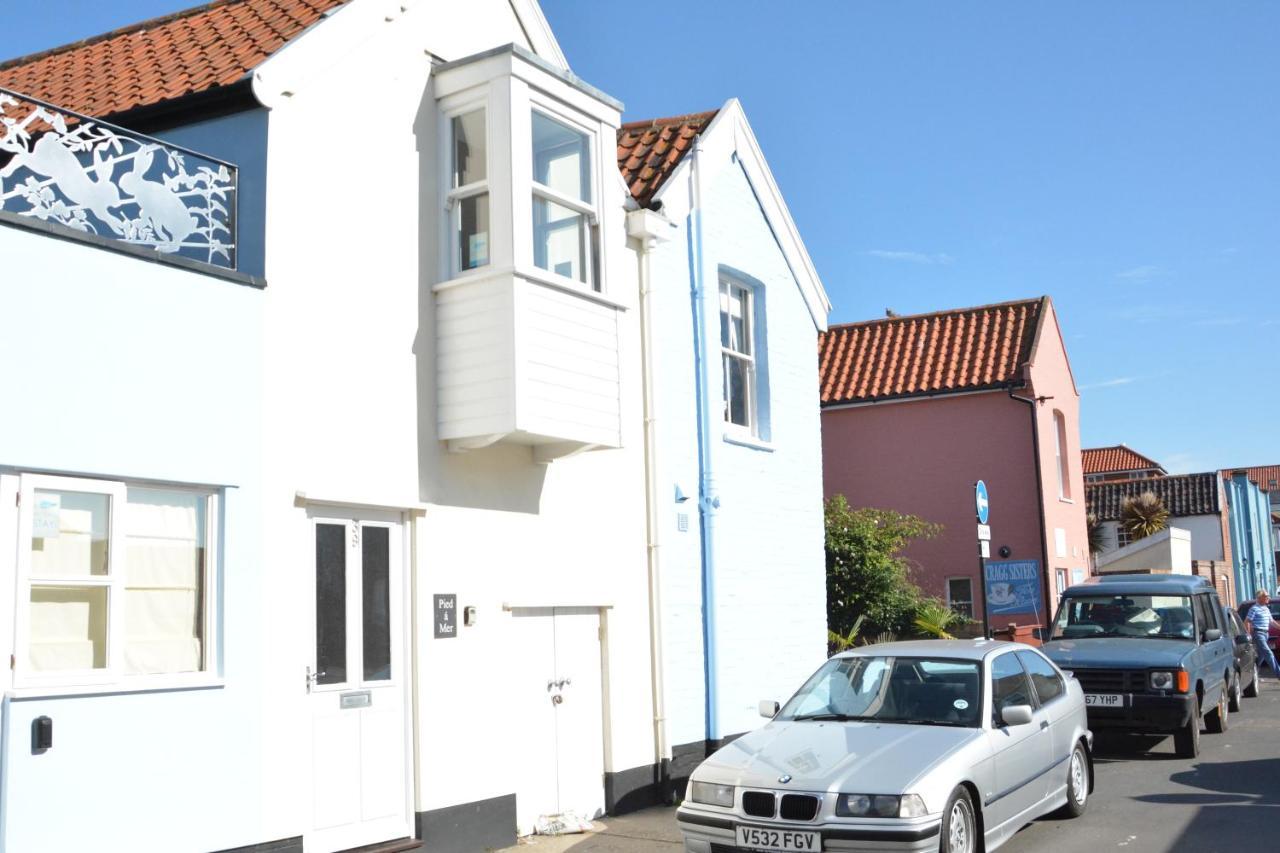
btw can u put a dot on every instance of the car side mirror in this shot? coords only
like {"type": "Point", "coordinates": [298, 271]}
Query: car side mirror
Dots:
{"type": "Point", "coordinates": [1016, 715]}
{"type": "Point", "coordinates": [1212, 634]}
{"type": "Point", "coordinates": [768, 709]}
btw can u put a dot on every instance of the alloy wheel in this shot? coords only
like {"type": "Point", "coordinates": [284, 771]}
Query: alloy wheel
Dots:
{"type": "Point", "coordinates": [960, 837]}
{"type": "Point", "coordinates": [1079, 782]}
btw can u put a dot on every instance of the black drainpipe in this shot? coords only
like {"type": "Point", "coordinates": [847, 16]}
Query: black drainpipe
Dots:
{"type": "Point", "coordinates": [1044, 542]}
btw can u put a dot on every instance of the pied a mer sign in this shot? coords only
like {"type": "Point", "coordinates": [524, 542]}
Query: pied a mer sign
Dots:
{"type": "Point", "coordinates": [1013, 587]}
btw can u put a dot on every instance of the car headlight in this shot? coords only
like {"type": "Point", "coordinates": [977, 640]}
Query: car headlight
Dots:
{"type": "Point", "coordinates": [711, 794]}
{"type": "Point", "coordinates": [880, 805]}
{"type": "Point", "coordinates": [1162, 681]}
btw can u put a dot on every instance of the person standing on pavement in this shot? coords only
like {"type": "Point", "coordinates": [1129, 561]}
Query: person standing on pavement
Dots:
{"type": "Point", "coordinates": [1260, 621]}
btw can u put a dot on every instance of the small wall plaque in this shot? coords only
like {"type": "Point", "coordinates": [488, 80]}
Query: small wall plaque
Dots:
{"type": "Point", "coordinates": [446, 623]}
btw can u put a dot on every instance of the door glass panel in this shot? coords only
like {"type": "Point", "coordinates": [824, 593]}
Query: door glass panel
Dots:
{"type": "Point", "coordinates": [331, 603]}
{"type": "Point", "coordinates": [68, 628]}
{"type": "Point", "coordinates": [69, 534]}
{"type": "Point", "coordinates": [375, 555]}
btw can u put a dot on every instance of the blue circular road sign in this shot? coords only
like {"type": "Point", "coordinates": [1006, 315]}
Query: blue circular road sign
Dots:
{"type": "Point", "coordinates": [980, 502]}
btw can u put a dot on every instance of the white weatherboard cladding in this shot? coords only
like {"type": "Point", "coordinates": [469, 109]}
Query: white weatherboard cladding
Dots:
{"type": "Point", "coordinates": [355, 413]}
{"type": "Point", "coordinates": [770, 608]}
{"type": "Point", "coordinates": [137, 370]}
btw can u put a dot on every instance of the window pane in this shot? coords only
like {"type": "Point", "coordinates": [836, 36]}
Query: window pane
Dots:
{"type": "Point", "coordinates": [561, 158]}
{"type": "Point", "coordinates": [737, 390]}
{"type": "Point", "coordinates": [1009, 685]}
{"type": "Point", "coordinates": [558, 246]}
{"type": "Point", "coordinates": [68, 628]}
{"type": "Point", "coordinates": [735, 331]}
{"type": "Point", "coordinates": [375, 557]}
{"type": "Point", "coordinates": [1043, 676]}
{"type": "Point", "coordinates": [331, 603]}
{"type": "Point", "coordinates": [473, 231]}
{"type": "Point", "coordinates": [164, 572]}
{"type": "Point", "coordinates": [69, 534]}
{"type": "Point", "coordinates": [470, 149]}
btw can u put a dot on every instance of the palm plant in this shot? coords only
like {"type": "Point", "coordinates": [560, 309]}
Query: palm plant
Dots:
{"type": "Point", "coordinates": [837, 642]}
{"type": "Point", "coordinates": [1143, 515]}
{"type": "Point", "coordinates": [933, 619]}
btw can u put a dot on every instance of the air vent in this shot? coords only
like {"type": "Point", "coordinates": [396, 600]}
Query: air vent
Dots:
{"type": "Point", "coordinates": [799, 807]}
{"type": "Point", "coordinates": [757, 803]}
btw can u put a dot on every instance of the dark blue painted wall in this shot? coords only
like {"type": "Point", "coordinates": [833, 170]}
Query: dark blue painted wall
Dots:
{"type": "Point", "coordinates": [240, 139]}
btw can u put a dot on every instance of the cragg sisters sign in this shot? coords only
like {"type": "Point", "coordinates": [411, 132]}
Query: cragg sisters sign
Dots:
{"type": "Point", "coordinates": [1013, 587]}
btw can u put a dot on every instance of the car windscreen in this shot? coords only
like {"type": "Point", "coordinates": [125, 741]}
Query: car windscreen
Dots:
{"type": "Point", "coordinates": [1125, 615]}
{"type": "Point", "coordinates": [917, 690]}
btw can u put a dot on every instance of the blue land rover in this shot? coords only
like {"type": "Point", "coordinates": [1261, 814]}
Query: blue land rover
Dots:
{"type": "Point", "coordinates": [1152, 652]}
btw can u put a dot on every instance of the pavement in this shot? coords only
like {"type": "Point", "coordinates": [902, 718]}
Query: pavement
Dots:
{"type": "Point", "coordinates": [1145, 800]}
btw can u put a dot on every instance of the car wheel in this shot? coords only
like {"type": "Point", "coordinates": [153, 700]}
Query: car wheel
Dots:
{"type": "Point", "coordinates": [1077, 783]}
{"type": "Point", "coordinates": [1233, 704]}
{"type": "Point", "coordinates": [1251, 689]}
{"type": "Point", "coordinates": [1186, 742]}
{"type": "Point", "coordinates": [959, 826]}
{"type": "Point", "coordinates": [1217, 721]}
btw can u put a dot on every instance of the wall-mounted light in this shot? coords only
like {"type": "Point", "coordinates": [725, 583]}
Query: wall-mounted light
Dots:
{"type": "Point", "coordinates": [1005, 551]}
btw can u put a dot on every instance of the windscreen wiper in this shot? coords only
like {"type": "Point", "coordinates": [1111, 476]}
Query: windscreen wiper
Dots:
{"type": "Point", "coordinates": [839, 718]}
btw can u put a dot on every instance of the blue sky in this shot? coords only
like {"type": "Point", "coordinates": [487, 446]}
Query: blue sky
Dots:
{"type": "Point", "coordinates": [1121, 157]}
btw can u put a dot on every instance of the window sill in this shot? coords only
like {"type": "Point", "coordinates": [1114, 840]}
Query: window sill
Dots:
{"type": "Point", "coordinates": [162, 684]}
{"type": "Point", "coordinates": [1063, 500]}
{"type": "Point", "coordinates": [747, 440]}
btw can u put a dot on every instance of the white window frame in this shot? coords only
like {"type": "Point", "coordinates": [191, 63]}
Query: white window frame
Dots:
{"type": "Point", "coordinates": [727, 285]}
{"type": "Point", "coordinates": [590, 211]}
{"type": "Point", "coordinates": [454, 196]}
{"type": "Point", "coordinates": [112, 677]}
{"type": "Point", "coordinates": [951, 601]}
{"type": "Point", "coordinates": [1123, 538]}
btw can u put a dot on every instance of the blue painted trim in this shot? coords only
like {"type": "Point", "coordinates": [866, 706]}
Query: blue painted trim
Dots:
{"type": "Point", "coordinates": [708, 500]}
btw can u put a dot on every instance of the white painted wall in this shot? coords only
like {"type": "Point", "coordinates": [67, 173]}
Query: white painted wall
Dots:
{"type": "Point", "coordinates": [770, 611]}
{"type": "Point", "coordinates": [1169, 550]}
{"type": "Point", "coordinates": [351, 415]}
{"type": "Point", "coordinates": [124, 368]}
{"type": "Point", "coordinates": [1205, 531]}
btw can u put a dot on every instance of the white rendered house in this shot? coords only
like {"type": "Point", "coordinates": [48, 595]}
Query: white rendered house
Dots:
{"type": "Point", "coordinates": [330, 522]}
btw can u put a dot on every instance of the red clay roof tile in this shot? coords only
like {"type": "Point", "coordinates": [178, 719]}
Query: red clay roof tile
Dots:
{"type": "Point", "coordinates": [1105, 460]}
{"type": "Point", "coordinates": [164, 58]}
{"type": "Point", "coordinates": [1261, 475]}
{"type": "Point", "coordinates": [650, 150]}
{"type": "Point", "coordinates": [945, 352]}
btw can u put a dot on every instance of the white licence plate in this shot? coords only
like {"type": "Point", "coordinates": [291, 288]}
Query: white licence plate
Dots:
{"type": "Point", "coordinates": [762, 838]}
{"type": "Point", "coordinates": [1104, 700]}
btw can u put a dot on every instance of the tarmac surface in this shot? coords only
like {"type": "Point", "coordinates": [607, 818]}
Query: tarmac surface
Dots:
{"type": "Point", "coordinates": [1145, 800]}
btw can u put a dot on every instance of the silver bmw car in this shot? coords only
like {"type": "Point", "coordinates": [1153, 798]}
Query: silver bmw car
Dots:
{"type": "Point", "coordinates": [928, 745]}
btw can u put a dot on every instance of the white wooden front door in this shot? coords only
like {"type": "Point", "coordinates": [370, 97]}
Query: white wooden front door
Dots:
{"type": "Point", "coordinates": [357, 682]}
{"type": "Point", "coordinates": [561, 696]}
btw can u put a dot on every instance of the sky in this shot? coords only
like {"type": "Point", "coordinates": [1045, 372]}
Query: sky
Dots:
{"type": "Point", "coordinates": [1123, 158]}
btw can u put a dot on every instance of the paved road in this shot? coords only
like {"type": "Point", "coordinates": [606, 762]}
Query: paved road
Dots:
{"type": "Point", "coordinates": [1146, 800]}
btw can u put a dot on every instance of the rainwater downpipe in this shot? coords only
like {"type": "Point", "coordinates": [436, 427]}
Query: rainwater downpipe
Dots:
{"type": "Point", "coordinates": [641, 224]}
{"type": "Point", "coordinates": [705, 307]}
{"type": "Point", "coordinates": [1035, 403]}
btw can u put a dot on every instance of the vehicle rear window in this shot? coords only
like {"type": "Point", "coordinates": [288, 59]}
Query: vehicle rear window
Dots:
{"type": "Point", "coordinates": [1044, 677]}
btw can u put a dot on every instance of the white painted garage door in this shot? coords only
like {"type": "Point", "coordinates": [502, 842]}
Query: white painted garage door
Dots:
{"type": "Point", "coordinates": [559, 694]}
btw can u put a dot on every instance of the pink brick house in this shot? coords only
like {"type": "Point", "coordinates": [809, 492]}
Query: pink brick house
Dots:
{"type": "Point", "coordinates": [917, 409]}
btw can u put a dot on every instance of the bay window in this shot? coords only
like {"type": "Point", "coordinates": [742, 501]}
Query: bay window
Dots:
{"type": "Point", "coordinates": [114, 580]}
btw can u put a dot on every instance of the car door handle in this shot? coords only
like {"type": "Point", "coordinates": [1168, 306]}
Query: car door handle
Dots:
{"type": "Point", "coordinates": [1044, 724]}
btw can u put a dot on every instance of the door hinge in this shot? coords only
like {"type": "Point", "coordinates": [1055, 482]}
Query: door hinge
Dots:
{"type": "Point", "coordinates": [17, 499]}
{"type": "Point", "coordinates": [13, 662]}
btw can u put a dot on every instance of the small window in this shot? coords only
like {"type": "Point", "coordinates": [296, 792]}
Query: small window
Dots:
{"type": "Point", "coordinates": [564, 218]}
{"type": "Point", "coordinates": [1060, 450]}
{"type": "Point", "coordinates": [1009, 685]}
{"type": "Point", "coordinates": [737, 347]}
{"type": "Point", "coordinates": [960, 596]}
{"type": "Point", "coordinates": [1044, 678]}
{"type": "Point", "coordinates": [1123, 537]}
{"type": "Point", "coordinates": [469, 191]}
{"type": "Point", "coordinates": [116, 580]}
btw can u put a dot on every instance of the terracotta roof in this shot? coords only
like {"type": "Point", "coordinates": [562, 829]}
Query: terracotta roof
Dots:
{"type": "Point", "coordinates": [1107, 460]}
{"type": "Point", "coordinates": [1183, 494]}
{"type": "Point", "coordinates": [966, 349]}
{"type": "Point", "coordinates": [650, 150]}
{"type": "Point", "coordinates": [1261, 475]}
{"type": "Point", "coordinates": [164, 58]}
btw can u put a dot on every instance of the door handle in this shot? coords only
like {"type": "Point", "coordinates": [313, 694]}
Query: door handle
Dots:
{"type": "Point", "coordinates": [312, 678]}
{"type": "Point", "coordinates": [1044, 724]}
